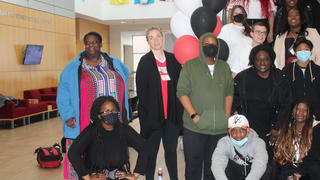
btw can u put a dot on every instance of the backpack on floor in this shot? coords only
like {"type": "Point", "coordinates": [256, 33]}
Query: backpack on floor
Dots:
{"type": "Point", "coordinates": [49, 157]}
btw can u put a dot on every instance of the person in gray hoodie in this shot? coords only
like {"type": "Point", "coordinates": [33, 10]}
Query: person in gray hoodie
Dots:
{"type": "Point", "coordinates": [241, 155]}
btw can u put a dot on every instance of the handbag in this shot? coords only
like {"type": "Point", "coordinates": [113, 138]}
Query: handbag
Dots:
{"type": "Point", "coordinates": [245, 171]}
{"type": "Point", "coordinates": [49, 157]}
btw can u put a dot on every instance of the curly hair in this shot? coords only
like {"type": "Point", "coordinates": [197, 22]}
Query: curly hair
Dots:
{"type": "Point", "coordinates": [92, 34]}
{"type": "Point", "coordinates": [262, 47]}
{"type": "Point", "coordinates": [285, 25]}
{"type": "Point", "coordinates": [247, 28]}
{"type": "Point", "coordinates": [284, 151]}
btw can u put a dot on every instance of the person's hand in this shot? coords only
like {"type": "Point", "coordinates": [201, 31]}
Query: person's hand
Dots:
{"type": "Point", "coordinates": [273, 136]}
{"type": "Point", "coordinates": [295, 177]}
{"type": "Point", "coordinates": [71, 122]}
{"type": "Point", "coordinates": [95, 176]}
{"type": "Point", "coordinates": [270, 38]}
{"type": "Point", "coordinates": [196, 119]}
{"type": "Point", "coordinates": [234, 74]}
{"type": "Point", "coordinates": [124, 175]}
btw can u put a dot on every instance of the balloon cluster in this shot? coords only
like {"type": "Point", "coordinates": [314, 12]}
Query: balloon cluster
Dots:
{"type": "Point", "coordinates": [194, 18]}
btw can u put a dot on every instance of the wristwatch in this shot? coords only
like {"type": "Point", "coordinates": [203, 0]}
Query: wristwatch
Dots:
{"type": "Point", "coordinates": [193, 115]}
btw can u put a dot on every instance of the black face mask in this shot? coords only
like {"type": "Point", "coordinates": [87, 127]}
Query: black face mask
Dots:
{"type": "Point", "coordinates": [210, 50]}
{"type": "Point", "coordinates": [110, 119]}
{"type": "Point", "coordinates": [238, 18]}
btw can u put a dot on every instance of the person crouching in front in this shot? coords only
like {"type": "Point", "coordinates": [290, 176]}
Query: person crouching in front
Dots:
{"type": "Point", "coordinates": [241, 154]}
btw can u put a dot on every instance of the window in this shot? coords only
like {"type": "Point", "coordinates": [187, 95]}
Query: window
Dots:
{"type": "Point", "coordinates": [140, 48]}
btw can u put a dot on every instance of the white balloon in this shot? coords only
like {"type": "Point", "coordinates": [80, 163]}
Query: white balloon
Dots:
{"type": "Point", "coordinates": [188, 6]}
{"type": "Point", "coordinates": [180, 25]}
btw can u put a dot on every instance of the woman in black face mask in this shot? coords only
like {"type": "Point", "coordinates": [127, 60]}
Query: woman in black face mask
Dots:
{"type": "Point", "coordinates": [101, 149]}
{"type": "Point", "coordinates": [258, 11]}
{"type": "Point", "coordinates": [237, 36]}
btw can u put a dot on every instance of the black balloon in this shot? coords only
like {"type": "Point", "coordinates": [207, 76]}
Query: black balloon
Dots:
{"type": "Point", "coordinates": [224, 50]}
{"type": "Point", "coordinates": [215, 5]}
{"type": "Point", "coordinates": [203, 20]}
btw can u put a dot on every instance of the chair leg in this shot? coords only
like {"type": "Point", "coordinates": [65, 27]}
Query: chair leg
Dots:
{"type": "Point", "coordinates": [12, 124]}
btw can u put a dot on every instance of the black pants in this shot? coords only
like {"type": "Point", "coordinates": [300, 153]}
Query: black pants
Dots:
{"type": "Point", "coordinates": [235, 171]}
{"type": "Point", "coordinates": [312, 172]}
{"type": "Point", "coordinates": [198, 150]}
{"type": "Point", "coordinates": [169, 134]}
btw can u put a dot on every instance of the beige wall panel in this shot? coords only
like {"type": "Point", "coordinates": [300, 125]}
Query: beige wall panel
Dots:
{"type": "Point", "coordinates": [13, 15]}
{"type": "Point", "coordinates": [46, 39]}
{"type": "Point", "coordinates": [13, 41]}
{"type": "Point", "coordinates": [84, 26]}
{"type": "Point", "coordinates": [65, 25]}
{"type": "Point", "coordinates": [42, 79]}
{"type": "Point", "coordinates": [65, 45]}
{"type": "Point", "coordinates": [55, 33]}
{"type": "Point", "coordinates": [13, 83]}
{"type": "Point", "coordinates": [43, 21]}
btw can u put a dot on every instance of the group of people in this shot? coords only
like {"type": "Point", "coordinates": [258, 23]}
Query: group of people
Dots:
{"type": "Point", "coordinates": [240, 119]}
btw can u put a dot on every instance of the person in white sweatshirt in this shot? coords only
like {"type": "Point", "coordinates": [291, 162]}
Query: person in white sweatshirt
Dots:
{"type": "Point", "coordinates": [241, 155]}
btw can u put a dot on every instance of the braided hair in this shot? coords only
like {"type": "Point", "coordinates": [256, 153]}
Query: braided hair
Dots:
{"type": "Point", "coordinates": [284, 150]}
{"type": "Point", "coordinates": [118, 127]}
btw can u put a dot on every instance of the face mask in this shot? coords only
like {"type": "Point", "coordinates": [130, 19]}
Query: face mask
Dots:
{"type": "Point", "coordinates": [210, 50]}
{"type": "Point", "coordinates": [110, 119]}
{"type": "Point", "coordinates": [239, 143]}
{"type": "Point", "coordinates": [303, 55]}
{"type": "Point", "coordinates": [238, 18]}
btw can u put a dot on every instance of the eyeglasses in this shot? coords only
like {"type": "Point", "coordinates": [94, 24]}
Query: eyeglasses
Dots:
{"type": "Point", "coordinates": [91, 42]}
{"type": "Point", "coordinates": [109, 112]}
{"type": "Point", "coordinates": [260, 32]}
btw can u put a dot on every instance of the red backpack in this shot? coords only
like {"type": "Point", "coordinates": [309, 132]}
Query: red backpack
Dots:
{"type": "Point", "coordinates": [49, 157]}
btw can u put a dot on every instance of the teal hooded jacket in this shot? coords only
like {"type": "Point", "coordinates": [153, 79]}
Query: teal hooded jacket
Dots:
{"type": "Point", "coordinates": [68, 93]}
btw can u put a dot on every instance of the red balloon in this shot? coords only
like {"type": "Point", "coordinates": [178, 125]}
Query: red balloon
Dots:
{"type": "Point", "coordinates": [218, 26]}
{"type": "Point", "coordinates": [186, 48]}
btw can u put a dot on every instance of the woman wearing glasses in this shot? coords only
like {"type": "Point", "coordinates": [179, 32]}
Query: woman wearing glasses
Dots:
{"type": "Point", "coordinates": [92, 74]}
{"type": "Point", "coordinates": [101, 150]}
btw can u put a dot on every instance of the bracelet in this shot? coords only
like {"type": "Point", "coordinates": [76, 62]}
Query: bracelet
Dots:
{"type": "Point", "coordinates": [271, 33]}
{"type": "Point", "coordinates": [193, 115]}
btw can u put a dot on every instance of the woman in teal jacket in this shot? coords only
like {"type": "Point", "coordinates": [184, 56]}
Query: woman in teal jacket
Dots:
{"type": "Point", "coordinates": [92, 74]}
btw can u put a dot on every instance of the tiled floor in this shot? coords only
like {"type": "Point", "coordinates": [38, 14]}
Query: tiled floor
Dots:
{"type": "Point", "coordinates": [18, 161]}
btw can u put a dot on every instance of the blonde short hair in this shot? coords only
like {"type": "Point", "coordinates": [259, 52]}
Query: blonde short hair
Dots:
{"type": "Point", "coordinates": [153, 28]}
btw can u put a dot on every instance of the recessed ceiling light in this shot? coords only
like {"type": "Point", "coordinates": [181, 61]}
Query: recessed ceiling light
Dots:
{"type": "Point", "coordinates": [123, 22]}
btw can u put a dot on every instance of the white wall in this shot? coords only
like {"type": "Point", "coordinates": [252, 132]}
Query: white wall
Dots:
{"type": "Point", "coordinates": [103, 10]}
{"type": "Point", "coordinates": [91, 8]}
{"type": "Point", "coordinates": [159, 9]}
